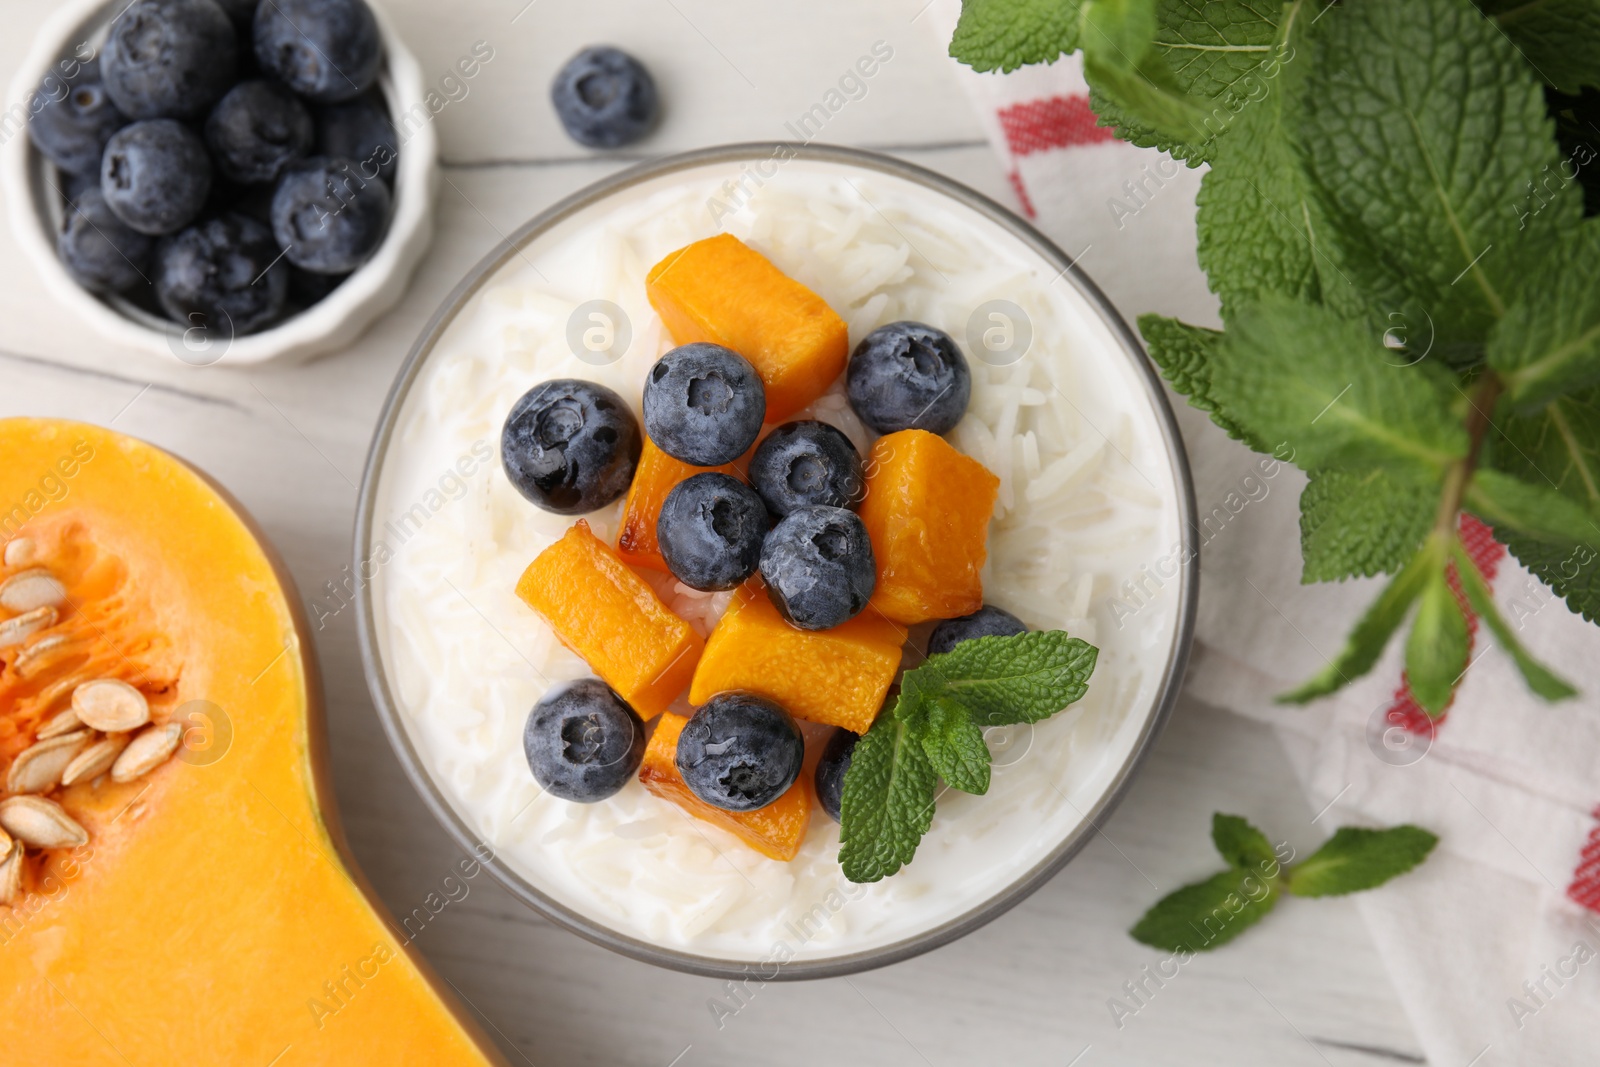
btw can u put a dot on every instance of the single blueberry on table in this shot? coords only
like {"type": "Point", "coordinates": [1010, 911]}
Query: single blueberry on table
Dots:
{"type": "Point", "coordinates": [169, 58]}
{"type": "Point", "coordinates": [605, 98]}
{"type": "Point", "coordinates": [325, 50]}
{"type": "Point", "coordinates": [818, 566]}
{"type": "Point", "coordinates": [987, 621]}
{"type": "Point", "coordinates": [256, 130]}
{"type": "Point", "coordinates": [583, 742]}
{"type": "Point", "coordinates": [703, 404]}
{"type": "Point", "coordinates": [100, 252]}
{"type": "Point", "coordinates": [740, 752]}
{"type": "Point", "coordinates": [804, 463]}
{"type": "Point", "coordinates": [328, 217]}
{"type": "Point", "coordinates": [570, 446]}
{"type": "Point", "coordinates": [908, 376]}
{"type": "Point", "coordinates": [710, 531]}
{"type": "Point", "coordinates": [73, 123]}
{"type": "Point", "coordinates": [155, 175]}
{"type": "Point", "coordinates": [829, 775]}
{"type": "Point", "coordinates": [361, 130]}
{"type": "Point", "coordinates": [223, 275]}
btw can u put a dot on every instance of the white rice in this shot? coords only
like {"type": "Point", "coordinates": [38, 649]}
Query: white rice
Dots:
{"type": "Point", "coordinates": [1077, 516]}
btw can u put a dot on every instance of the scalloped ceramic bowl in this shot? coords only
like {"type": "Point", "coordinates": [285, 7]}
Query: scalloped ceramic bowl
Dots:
{"type": "Point", "coordinates": [29, 182]}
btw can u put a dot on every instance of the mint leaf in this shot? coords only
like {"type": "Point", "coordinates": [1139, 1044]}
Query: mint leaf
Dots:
{"type": "Point", "coordinates": [1366, 642]}
{"type": "Point", "coordinates": [1531, 509]}
{"type": "Point", "coordinates": [887, 802]}
{"type": "Point", "coordinates": [1241, 844]}
{"type": "Point", "coordinates": [1006, 34]}
{"type": "Point", "coordinates": [1120, 62]}
{"type": "Point", "coordinates": [1559, 38]}
{"type": "Point", "coordinates": [1206, 914]}
{"type": "Point", "coordinates": [1559, 446]}
{"type": "Point", "coordinates": [1004, 680]}
{"type": "Point", "coordinates": [1183, 353]}
{"type": "Point", "coordinates": [1354, 859]}
{"type": "Point", "coordinates": [1298, 375]}
{"type": "Point", "coordinates": [1423, 128]}
{"type": "Point", "coordinates": [1436, 649]}
{"type": "Point", "coordinates": [955, 747]}
{"type": "Point", "coordinates": [1362, 522]}
{"type": "Point", "coordinates": [1541, 679]}
{"type": "Point", "coordinates": [1549, 341]}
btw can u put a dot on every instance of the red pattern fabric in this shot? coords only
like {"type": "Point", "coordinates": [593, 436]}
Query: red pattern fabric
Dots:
{"type": "Point", "coordinates": [1053, 122]}
{"type": "Point", "coordinates": [1022, 194]}
{"type": "Point", "coordinates": [1585, 887]}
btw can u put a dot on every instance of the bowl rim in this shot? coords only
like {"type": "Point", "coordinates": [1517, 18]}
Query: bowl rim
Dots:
{"type": "Point", "coordinates": [336, 320]}
{"type": "Point", "coordinates": [952, 929]}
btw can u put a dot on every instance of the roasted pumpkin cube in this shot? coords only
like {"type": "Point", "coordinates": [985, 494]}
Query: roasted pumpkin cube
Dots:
{"type": "Point", "coordinates": [723, 291]}
{"type": "Point", "coordinates": [775, 831]}
{"type": "Point", "coordinates": [653, 479]}
{"type": "Point", "coordinates": [603, 611]}
{"type": "Point", "coordinates": [836, 676]}
{"type": "Point", "coordinates": [927, 510]}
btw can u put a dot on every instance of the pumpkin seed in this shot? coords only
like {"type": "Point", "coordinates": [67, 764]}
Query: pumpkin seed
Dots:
{"type": "Point", "coordinates": [30, 590]}
{"type": "Point", "coordinates": [94, 760]}
{"type": "Point", "coordinates": [16, 630]}
{"type": "Point", "coordinates": [37, 769]}
{"type": "Point", "coordinates": [42, 651]}
{"type": "Point", "coordinates": [19, 551]}
{"type": "Point", "coordinates": [41, 823]}
{"type": "Point", "coordinates": [147, 752]}
{"type": "Point", "coordinates": [11, 876]}
{"type": "Point", "coordinates": [62, 723]}
{"type": "Point", "coordinates": [110, 705]}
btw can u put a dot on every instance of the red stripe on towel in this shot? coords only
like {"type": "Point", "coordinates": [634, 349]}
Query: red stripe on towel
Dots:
{"type": "Point", "coordinates": [1486, 553]}
{"type": "Point", "coordinates": [1022, 194]}
{"type": "Point", "coordinates": [1053, 122]}
{"type": "Point", "coordinates": [1585, 887]}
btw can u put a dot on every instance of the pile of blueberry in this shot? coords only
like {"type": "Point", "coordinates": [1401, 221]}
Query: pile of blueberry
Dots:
{"type": "Point", "coordinates": [571, 446]}
{"type": "Point", "coordinates": [223, 161]}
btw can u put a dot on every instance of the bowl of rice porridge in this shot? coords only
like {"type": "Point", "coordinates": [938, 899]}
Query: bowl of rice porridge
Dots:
{"type": "Point", "coordinates": [1091, 533]}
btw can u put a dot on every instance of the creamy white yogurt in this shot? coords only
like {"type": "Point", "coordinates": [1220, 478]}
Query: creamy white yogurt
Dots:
{"type": "Point", "coordinates": [1088, 503]}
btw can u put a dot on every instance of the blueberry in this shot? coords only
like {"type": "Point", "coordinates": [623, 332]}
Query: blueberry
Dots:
{"type": "Point", "coordinates": [818, 566]}
{"type": "Point", "coordinates": [605, 98]}
{"type": "Point", "coordinates": [256, 130]}
{"type": "Point", "coordinates": [75, 186]}
{"type": "Point", "coordinates": [155, 175]}
{"type": "Point", "coordinates": [710, 531]}
{"type": "Point", "coordinates": [169, 58]}
{"type": "Point", "coordinates": [570, 446]}
{"type": "Point", "coordinates": [804, 463]}
{"type": "Point", "coordinates": [583, 742]}
{"type": "Point", "coordinates": [73, 123]}
{"type": "Point", "coordinates": [222, 275]}
{"type": "Point", "coordinates": [906, 376]}
{"type": "Point", "coordinates": [360, 130]}
{"type": "Point", "coordinates": [740, 752]}
{"type": "Point", "coordinates": [703, 404]}
{"type": "Point", "coordinates": [98, 250]}
{"type": "Point", "coordinates": [325, 50]}
{"type": "Point", "coordinates": [831, 767]}
{"type": "Point", "coordinates": [987, 621]}
{"type": "Point", "coordinates": [328, 216]}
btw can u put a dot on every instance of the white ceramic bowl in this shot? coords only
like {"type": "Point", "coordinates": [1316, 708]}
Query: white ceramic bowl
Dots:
{"type": "Point", "coordinates": [29, 182]}
{"type": "Point", "coordinates": [447, 645]}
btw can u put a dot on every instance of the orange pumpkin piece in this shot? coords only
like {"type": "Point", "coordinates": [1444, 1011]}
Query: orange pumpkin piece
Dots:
{"type": "Point", "coordinates": [723, 291]}
{"type": "Point", "coordinates": [836, 676]}
{"type": "Point", "coordinates": [775, 831]}
{"type": "Point", "coordinates": [653, 479]}
{"type": "Point", "coordinates": [603, 611]}
{"type": "Point", "coordinates": [927, 511]}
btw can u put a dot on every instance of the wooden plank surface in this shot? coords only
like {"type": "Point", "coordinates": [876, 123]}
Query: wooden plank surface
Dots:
{"type": "Point", "coordinates": [1032, 988]}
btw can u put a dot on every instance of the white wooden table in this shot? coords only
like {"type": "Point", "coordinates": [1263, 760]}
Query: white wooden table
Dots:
{"type": "Point", "coordinates": [1032, 988]}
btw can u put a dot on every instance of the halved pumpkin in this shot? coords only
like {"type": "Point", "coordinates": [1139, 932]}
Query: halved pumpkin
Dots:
{"type": "Point", "coordinates": [214, 915]}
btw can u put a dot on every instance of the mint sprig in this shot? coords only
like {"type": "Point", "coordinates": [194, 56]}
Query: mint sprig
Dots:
{"type": "Point", "coordinates": [934, 730]}
{"type": "Point", "coordinates": [1205, 914]}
